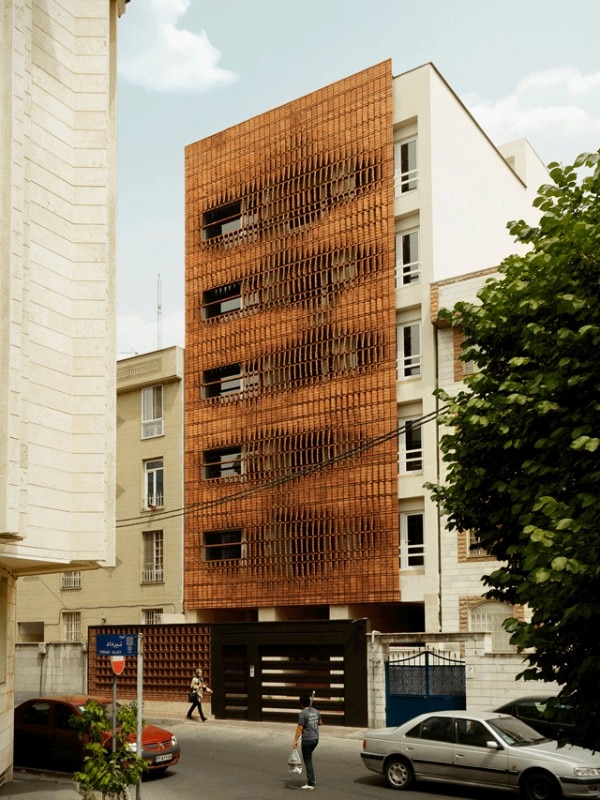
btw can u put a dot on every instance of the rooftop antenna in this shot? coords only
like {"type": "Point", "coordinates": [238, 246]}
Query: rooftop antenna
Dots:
{"type": "Point", "coordinates": [159, 313]}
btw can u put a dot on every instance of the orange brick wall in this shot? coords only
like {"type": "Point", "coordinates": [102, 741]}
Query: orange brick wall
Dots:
{"type": "Point", "coordinates": [314, 259]}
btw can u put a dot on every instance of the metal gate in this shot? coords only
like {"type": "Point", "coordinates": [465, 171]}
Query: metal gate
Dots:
{"type": "Point", "coordinates": [260, 669]}
{"type": "Point", "coordinates": [420, 682]}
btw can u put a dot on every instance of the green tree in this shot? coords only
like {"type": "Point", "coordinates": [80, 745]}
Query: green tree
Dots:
{"type": "Point", "coordinates": [523, 467]}
{"type": "Point", "coordinates": [106, 772]}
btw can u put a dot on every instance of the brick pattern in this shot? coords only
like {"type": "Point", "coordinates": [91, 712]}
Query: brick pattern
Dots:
{"type": "Point", "coordinates": [171, 653]}
{"type": "Point", "coordinates": [290, 285]}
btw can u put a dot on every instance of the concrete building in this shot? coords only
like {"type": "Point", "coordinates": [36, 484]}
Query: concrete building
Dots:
{"type": "Point", "coordinates": [144, 584]}
{"type": "Point", "coordinates": [57, 324]}
{"type": "Point", "coordinates": [314, 233]}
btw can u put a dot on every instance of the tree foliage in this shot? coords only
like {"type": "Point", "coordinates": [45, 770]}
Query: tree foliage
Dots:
{"type": "Point", "coordinates": [523, 468]}
{"type": "Point", "coordinates": [106, 772]}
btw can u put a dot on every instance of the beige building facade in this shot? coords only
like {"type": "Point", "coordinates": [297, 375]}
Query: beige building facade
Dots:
{"type": "Point", "coordinates": [144, 584]}
{"type": "Point", "coordinates": [57, 317]}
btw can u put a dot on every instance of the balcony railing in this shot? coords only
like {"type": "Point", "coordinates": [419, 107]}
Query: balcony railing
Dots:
{"type": "Point", "coordinates": [153, 575]}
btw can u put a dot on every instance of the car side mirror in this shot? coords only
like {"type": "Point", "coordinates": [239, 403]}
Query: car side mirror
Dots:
{"type": "Point", "coordinates": [492, 744]}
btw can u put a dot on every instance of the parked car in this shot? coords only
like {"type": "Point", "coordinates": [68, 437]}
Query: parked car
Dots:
{"type": "Point", "coordinates": [481, 749]}
{"type": "Point", "coordinates": [43, 736]}
{"type": "Point", "coordinates": [531, 711]}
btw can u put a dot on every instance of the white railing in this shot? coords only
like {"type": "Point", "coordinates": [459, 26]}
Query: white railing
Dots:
{"type": "Point", "coordinates": [153, 574]}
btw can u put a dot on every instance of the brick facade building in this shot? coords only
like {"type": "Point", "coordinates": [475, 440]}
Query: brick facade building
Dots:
{"type": "Point", "coordinates": [313, 234]}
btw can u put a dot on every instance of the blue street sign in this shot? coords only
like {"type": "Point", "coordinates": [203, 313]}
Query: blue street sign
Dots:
{"type": "Point", "coordinates": [116, 644]}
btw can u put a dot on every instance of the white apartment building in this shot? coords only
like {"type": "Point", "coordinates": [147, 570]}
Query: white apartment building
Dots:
{"type": "Point", "coordinates": [57, 324]}
{"type": "Point", "coordinates": [455, 192]}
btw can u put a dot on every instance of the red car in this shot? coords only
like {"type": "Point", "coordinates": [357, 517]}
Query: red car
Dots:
{"type": "Point", "coordinates": [44, 737]}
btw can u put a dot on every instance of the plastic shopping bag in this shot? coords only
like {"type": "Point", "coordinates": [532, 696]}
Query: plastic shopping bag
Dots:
{"type": "Point", "coordinates": [295, 762]}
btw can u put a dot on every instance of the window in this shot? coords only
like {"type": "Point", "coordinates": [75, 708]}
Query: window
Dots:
{"type": "Point", "coordinates": [405, 161]}
{"type": "Point", "coordinates": [72, 626]}
{"type": "Point", "coordinates": [409, 350]}
{"type": "Point", "coordinates": [222, 545]}
{"type": "Point", "coordinates": [222, 220]}
{"type": "Point", "coordinates": [474, 546]}
{"type": "Point", "coordinates": [222, 381]}
{"type": "Point", "coordinates": [223, 463]}
{"type": "Point", "coordinates": [435, 729]}
{"type": "Point", "coordinates": [71, 580]}
{"type": "Point", "coordinates": [222, 300]}
{"type": "Point", "coordinates": [154, 480]}
{"type": "Point", "coordinates": [152, 616]}
{"type": "Point", "coordinates": [489, 617]}
{"type": "Point", "coordinates": [231, 222]}
{"type": "Point", "coordinates": [412, 548]}
{"type": "Point", "coordinates": [408, 267]}
{"type": "Point", "coordinates": [62, 717]}
{"type": "Point", "coordinates": [38, 714]}
{"type": "Point", "coordinates": [153, 544]}
{"type": "Point", "coordinates": [472, 732]}
{"type": "Point", "coordinates": [411, 447]}
{"type": "Point", "coordinates": [152, 411]}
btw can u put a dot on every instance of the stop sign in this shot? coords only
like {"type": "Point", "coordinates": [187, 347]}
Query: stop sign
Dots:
{"type": "Point", "coordinates": [118, 664]}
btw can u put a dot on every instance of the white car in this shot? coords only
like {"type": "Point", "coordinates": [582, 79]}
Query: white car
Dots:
{"type": "Point", "coordinates": [481, 749]}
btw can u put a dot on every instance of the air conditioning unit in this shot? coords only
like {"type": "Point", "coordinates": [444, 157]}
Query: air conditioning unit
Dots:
{"type": "Point", "coordinates": [42, 648]}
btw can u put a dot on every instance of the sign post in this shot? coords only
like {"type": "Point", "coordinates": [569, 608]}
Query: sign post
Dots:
{"type": "Point", "coordinates": [140, 667]}
{"type": "Point", "coordinates": [118, 665]}
{"type": "Point", "coordinates": [117, 646]}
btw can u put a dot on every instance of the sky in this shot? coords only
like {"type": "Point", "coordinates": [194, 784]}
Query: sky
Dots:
{"type": "Point", "coordinates": [190, 68]}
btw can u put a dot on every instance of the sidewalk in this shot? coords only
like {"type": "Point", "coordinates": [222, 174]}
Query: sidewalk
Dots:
{"type": "Point", "coordinates": [40, 786]}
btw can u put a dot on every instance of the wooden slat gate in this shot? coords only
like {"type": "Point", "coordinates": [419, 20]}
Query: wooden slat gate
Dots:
{"type": "Point", "coordinates": [260, 669]}
{"type": "Point", "coordinates": [421, 682]}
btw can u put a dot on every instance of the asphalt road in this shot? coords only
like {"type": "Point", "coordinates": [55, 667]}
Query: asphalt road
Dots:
{"type": "Point", "coordinates": [248, 761]}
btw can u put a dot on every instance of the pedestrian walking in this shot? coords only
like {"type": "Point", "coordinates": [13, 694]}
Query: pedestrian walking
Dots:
{"type": "Point", "coordinates": [197, 688]}
{"type": "Point", "coordinates": [307, 731]}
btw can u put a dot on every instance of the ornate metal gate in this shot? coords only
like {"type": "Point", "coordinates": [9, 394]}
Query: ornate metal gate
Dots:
{"type": "Point", "coordinates": [420, 682]}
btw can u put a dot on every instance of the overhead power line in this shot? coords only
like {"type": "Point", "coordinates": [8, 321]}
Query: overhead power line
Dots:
{"type": "Point", "coordinates": [369, 444]}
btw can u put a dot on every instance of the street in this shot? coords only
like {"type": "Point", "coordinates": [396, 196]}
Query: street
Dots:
{"type": "Point", "coordinates": [225, 760]}
{"type": "Point", "coordinates": [249, 762]}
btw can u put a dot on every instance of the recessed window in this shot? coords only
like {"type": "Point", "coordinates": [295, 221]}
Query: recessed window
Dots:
{"type": "Point", "coordinates": [222, 463]}
{"type": "Point", "coordinates": [412, 545]}
{"type": "Point", "coordinates": [411, 447]}
{"type": "Point", "coordinates": [152, 411]}
{"type": "Point", "coordinates": [409, 350]}
{"type": "Point", "coordinates": [71, 580]}
{"type": "Point", "coordinates": [222, 300]}
{"type": "Point", "coordinates": [489, 617]}
{"type": "Point", "coordinates": [405, 161]}
{"type": "Point", "coordinates": [222, 220]}
{"type": "Point", "coordinates": [153, 555]}
{"type": "Point", "coordinates": [222, 545]}
{"type": "Point", "coordinates": [154, 484]}
{"type": "Point", "coordinates": [152, 616]}
{"type": "Point", "coordinates": [72, 626]}
{"type": "Point", "coordinates": [222, 381]}
{"type": "Point", "coordinates": [408, 266]}
{"type": "Point", "coordinates": [474, 545]}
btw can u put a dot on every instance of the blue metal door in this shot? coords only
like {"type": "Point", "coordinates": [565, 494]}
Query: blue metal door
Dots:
{"type": "Point", "coordinates": [423, 682]}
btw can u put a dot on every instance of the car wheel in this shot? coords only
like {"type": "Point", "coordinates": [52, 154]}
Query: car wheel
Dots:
{"type": "Point", "coordinates": [398, 773]}
{"type": "Point", "coordinates": [540, 786]}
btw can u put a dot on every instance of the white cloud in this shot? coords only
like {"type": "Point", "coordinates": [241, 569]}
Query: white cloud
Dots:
{"type": "Point", "coordinates": [157, 55]}
{"type": "Point", "coordinates": [136, 335]}
{"type": "Point", "coordinates": [558, 110]}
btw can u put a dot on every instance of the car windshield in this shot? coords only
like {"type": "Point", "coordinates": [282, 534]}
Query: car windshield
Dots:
{"type": "Point", "coordinates": [514, 732]}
